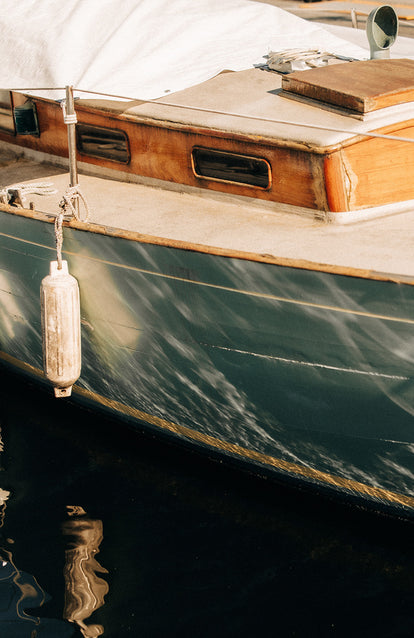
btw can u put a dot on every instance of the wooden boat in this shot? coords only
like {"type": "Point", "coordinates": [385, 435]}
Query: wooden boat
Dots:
{"type": "Point", "coordinates": [246, 273]}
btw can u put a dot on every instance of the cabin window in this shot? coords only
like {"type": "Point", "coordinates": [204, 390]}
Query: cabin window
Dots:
{"type": "Point", "coordinates": [230, 167]}
{"type": "Point", "coordinates": [25, 117]}
{"type": "Point", "coordinates": [6, 112]}
{"type": "Point", "coordinates": [105, 143]}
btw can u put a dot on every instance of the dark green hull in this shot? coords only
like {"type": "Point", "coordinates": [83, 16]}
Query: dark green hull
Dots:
{"type": "Point", "coordinates": [301, 372]}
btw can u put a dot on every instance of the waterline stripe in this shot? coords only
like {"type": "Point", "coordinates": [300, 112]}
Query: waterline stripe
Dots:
{"type": "Point", "coordinates": [343, 484]}
{"type": "Point", "coordinates": [298, 302]}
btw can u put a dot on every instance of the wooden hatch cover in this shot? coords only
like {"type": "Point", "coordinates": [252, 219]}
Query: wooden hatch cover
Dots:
{"type": "Point", "coordinates": [362, 86]}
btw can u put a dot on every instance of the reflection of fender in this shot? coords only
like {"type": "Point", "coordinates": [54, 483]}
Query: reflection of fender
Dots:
{"type": "Point", "coordinates": [84, 589]}
{"type": "Point", "coordinates": [4, 495]}
{"type": "Point", "coordinates": [20, 591]}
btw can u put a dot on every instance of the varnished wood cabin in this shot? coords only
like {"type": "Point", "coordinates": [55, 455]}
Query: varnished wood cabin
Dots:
{"type": "Point", "coordinates": [300, 140]}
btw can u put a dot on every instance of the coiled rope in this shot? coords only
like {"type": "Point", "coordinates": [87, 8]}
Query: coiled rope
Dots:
{"type": "Point", "coordinates": [16, 193]}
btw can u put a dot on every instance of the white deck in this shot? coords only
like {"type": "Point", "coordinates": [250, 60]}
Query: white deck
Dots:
{"type": "Point", "coordinates": [383, 245]}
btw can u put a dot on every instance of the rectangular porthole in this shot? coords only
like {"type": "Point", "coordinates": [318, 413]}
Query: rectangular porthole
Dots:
{"type": "Point", "coordinates": [230, 167]}
{"type": "Point", "coordinates": [105, 143]}
{"type": "Point", "coordinates": [25, 119]}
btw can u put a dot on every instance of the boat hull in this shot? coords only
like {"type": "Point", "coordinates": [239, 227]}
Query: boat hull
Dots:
{"type": "Point", "coordinates": [301, 372]}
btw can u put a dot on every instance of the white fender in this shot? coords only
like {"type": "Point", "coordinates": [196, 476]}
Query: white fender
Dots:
{"type": "Point", "coordinates": [60, 308]}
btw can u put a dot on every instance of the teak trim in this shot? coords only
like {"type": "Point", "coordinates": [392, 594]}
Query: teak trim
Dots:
{"type": "Point", "coordinates": [210, 250]}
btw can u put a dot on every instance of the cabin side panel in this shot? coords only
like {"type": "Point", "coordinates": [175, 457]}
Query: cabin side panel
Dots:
{"type": "Point", "coordinates": [163, 150]}
{"type": "Point", "coordinates": [380, 171]}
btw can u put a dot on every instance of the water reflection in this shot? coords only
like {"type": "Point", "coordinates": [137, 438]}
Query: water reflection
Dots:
{"type": "Point", "coordinates": [20, 591]}
{"type": "Point", "coordinates": [4, 495]}
{"type": "Point", "coordinates": [84, 589]}
{"type": "Point", "coordinates": [191, 548]}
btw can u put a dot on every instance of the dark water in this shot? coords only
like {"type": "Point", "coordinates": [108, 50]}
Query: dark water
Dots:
{"type": "Point", "coordinates": [120, 535]}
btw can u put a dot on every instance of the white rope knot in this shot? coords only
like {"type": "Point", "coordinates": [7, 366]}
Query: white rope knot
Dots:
{"type": "Point", "coordinates": [68, 205]}
{"type": "Point", "coordinates": [68, 119]}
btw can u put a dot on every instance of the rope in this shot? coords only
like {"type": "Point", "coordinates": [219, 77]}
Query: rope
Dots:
{"type": "Point", "coordinates": [299, 59]}
{"type": "Point", "coordinates": [16, 193]}
{"type": "Point", "coordinates": [70, 199]}
{"type": "Point", "coordinates": [69, 205]}
{"type": "Point", "coordinates": [59, 237]}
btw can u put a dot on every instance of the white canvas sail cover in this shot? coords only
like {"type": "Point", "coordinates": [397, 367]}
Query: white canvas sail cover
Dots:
{"type": "Point", "coordinates": [145, 48]}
